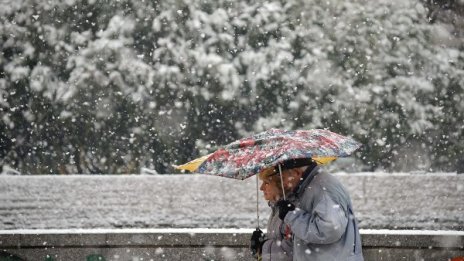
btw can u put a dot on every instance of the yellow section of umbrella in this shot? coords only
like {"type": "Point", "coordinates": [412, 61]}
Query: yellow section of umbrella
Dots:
{"type": "Point", "coordinates": [323, 160]}
{"type": "Point", "coordinates": [192, 165]}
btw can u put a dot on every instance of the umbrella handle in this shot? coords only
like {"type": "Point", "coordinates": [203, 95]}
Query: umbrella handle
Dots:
{"type": "Point", "coordinates": [257, 210]}
{"type": "Point", "coordinates": [282, 182]}
{"type": "Point", "coordinates": [257, 196]}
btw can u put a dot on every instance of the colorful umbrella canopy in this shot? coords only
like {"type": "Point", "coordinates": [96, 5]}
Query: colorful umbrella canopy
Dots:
{"type": "Point", "coordinates": [248, 156]}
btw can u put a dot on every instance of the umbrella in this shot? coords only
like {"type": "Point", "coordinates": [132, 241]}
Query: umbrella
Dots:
{"type": "Point", "coordinates": [249, 156]}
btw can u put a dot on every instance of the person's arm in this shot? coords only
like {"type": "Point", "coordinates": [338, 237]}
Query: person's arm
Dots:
{"type": "Point", "coordinates": [325, 225]}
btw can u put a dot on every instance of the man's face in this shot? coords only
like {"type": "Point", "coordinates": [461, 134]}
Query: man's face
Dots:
{"type": "Point", "coordinates": [291, 178]}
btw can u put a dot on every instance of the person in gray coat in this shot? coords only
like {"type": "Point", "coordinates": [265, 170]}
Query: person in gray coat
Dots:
{"type": "Point", "coordinates": [320, 214]}
{"type": "Point", "coordinates": [277, 243]}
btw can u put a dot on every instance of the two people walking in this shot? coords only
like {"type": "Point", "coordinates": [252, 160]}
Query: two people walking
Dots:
{"type": "Point", "coordinates": [312, 215]}
{"type": "Point", "coordinates": [315, 220]}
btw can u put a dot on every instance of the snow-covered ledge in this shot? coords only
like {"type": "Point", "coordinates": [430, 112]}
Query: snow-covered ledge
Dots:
{"type": "Point", "coordinates": [207, 244]}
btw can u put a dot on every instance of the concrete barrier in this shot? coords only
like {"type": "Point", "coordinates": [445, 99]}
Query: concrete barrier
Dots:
{"type": "Point", "coordinates": [205, 244]}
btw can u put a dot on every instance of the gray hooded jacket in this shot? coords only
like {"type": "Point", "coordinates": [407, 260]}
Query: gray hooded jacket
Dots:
{"type": "Point", "coordinates": [323, 223]}
{"type": "Point", "coordinates": [278, 244]}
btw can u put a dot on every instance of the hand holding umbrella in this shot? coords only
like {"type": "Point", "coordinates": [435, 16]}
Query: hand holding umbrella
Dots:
{"type": "Point", "coordinates": [284, 207]}
{"type": "Point", "coordinates": [256, 242]}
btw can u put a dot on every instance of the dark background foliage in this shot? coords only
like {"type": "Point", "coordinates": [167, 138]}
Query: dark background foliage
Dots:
{"type": "Point", "coordinates": [111, 87]}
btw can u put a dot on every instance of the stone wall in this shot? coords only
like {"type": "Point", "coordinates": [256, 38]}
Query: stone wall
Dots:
{"type": "Point", "coordinates": [206, 244]}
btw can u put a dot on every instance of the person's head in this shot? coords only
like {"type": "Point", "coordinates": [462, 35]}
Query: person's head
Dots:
{"type": "Point", "coordinates": [271, 185]}
{"type": "Point", "coordinates": [291, 178]}
{"type": "Point", "coordinates": [292, 172]}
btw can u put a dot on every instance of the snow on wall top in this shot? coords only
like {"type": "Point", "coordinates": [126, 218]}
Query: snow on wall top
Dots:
{"type": "Point", "coordinates": [194, 201]}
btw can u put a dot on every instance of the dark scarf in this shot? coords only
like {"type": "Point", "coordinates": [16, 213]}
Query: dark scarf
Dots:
{"type": "Point", "coordinates": [308, 176]}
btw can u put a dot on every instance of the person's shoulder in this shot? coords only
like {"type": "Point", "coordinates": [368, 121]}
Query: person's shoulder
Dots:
{"type": "Point", "coordinates": [321, 182]}
{"type": "Point", "coordinates": [325, 177]}
{"type": "Point", "coordinates": [325, 182]}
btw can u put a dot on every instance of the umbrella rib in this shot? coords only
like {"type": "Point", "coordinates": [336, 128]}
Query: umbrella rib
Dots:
{"type": "Point", "coordinates": [282, 181]}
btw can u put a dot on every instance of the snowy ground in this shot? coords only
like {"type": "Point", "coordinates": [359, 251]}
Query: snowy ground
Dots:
{"type": "Point", "coordinates": [385, 201]}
